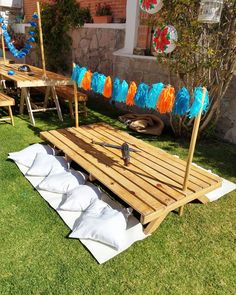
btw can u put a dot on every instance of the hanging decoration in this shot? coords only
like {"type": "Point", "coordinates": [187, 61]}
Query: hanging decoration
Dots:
{"type": "Point", "coordinates": [164, 39]}
{"type": "Point", "coordinates": [115, 89]}
{"type": "Point", "coordinates": [80, 76]}
{"type": "Point", "coordinates": [26, 49]}
{"type": "Point", "coordinates": [131, 94]}
{"type": "Point", "coordinates": [151, 6]}
{"type": "Point", "coordinates": [86, 82]}
{"type": "Point", "coordinates": [123, 91]}
{"type": "Point", "coordinates": [141, 95]}
{"type": "Point", "coordinates": [166, 100]}
{"type": "Point", "coordinates": [153, 95]}
{"type": "Point", "coordinates": [182, 102]}
{"type": "Point", "coordinates": [158, 96]}
{"type": "Point", "coordinates": [210, 11]}
{"type": "Point", "coordinates": [197, 103]}
{"type": "Point", "coordinates": [107, 92]}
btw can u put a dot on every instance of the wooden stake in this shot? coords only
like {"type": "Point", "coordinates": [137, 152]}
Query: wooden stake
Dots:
{"type": "Point", "coordinates": [193, 142]}
{"type": "Point", "coordinates": [41, 40]}
{"type": "Point", "coordinates": [76, 103]}
{"type": "Point", "coordinates": [3, 48]}
{"type": "Point", "coordinates": [192, 148]}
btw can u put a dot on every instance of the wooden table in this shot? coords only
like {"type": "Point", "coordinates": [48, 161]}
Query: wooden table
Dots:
{"type": "Point", "coordinates": [25, 81]}
{"type": "Point", "coordinates": [152, 183]}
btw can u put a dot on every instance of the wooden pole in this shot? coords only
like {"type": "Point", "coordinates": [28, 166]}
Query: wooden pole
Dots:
{"type": "Point", "coordinates": [192, 147]}
{"type": "Point", "coordinates": [76, 103]}
{"type": "Point", "coordinates": [3, 47]}
{"type": "Point", "coordinates": [41, 40]}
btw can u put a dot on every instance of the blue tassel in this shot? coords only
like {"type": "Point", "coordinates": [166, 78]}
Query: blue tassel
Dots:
{"type": "Point", "coordinates": [123, 91]}
{"type": "Point", "coordinates": [75, 73]}
{"type": "Point", "coordinates": [35, 16]}
{"type": "Point", "coordinates": [31, 39]}
{"type": "Point", "coordinates": [182, 102]}
{"type": "Point", "coordinates": [197, 104]}
{"type": "Point", "coordinates": [115, 89]}
{"type": "Point", "coordinates": [153, 95]}
{"type": "Point", "coordinates": [141, 96]}
{"type": "Point", "coordinates": [33, 24]}
{"type": "Point", "coordinates": [100, 83]}
{"type": "Point", "coordinates": [31, 33]}
{"type": "Point", "coordinates": [81, 73]}
{"type": "Point", "coordinates": [94, 81]}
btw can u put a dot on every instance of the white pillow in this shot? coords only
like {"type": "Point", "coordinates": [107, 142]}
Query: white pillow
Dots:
{"type": "Point", "coordinates": [26, 156]}
{"type": "Point", "coordinates": [63, 182]}
{"type": "Point", "coordinates": [107, 227]}
{"type": "Point", "coordinates": [81, 198]}
{"type": "Point", "coordinates": [44, 165]}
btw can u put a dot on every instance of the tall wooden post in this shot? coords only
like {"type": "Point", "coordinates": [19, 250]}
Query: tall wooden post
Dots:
{"type": "Point", "coordinates": [76, 103]}
{"type": "Point", "coordinates": [41, 40]}
{"type": "Point", "coordinates": [3, 47]}
{"type": "Point", "coordinates": [192, 147]}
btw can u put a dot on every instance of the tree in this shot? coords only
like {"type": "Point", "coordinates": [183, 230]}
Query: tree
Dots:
{"type": "Point", "coordinates": [205, 55]}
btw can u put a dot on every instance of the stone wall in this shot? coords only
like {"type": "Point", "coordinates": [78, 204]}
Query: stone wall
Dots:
{"type": "Point", "coordinates": [94, 47]}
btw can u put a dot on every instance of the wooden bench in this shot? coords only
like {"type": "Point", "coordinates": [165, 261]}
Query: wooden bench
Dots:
{"type": "Point", "coordinates": [153, 182]}
{"type": "Point", "coordinates": [7, 102]}
{"type": "Point", "coordinates": [67, 94]}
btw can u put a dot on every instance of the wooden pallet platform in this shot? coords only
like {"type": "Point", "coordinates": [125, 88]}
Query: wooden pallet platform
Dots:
{"type": "Point", "coordinates": [152, 183]}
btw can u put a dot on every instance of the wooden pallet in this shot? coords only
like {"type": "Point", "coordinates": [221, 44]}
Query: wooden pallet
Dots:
{"type": "Point", "coordinates": [151, 184]}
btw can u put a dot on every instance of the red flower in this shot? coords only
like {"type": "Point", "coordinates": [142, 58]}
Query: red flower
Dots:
{"type": "Point", "coordinates": [160, 39]}
{"type": "Point", "coordinates": [147, 3]}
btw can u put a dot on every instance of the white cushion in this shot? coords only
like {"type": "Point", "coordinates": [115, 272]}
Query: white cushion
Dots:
{"type": "Point", "coordinates": [44, 165]}
{"type": "Point", "coordinates": [107, 227]}
{"type": "Point", "coordinates": [81, 198]}
{"type": "Point", "coordinates": [26, 156]}
{"type": "Point", "coordinates": [63, 182]}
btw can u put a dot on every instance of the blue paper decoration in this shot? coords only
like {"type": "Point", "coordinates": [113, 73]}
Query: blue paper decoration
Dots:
{"type": "Point", "coordinates": [80, 76]}
{"type": "Point", "coordinates": [153, 95]}
{"type": "Point", "coordinates": [75, 73]}
{"type": "Point", "coordinates": [197, 103]}
{"type": "Point", "coordinates": [141, 96]}
{"type": "Point", "coordinates": [94, 81]}
{"type": "Point", "coordinates": [24, 51]}
{"type": "Point", "coordinates": [115, 88]}
{"type": "Point", "coordinates": [182, 102]}
{"type": "Point", "coordinates": [100, 83]}
{"type": "Point", "coordinates": [123, 91]}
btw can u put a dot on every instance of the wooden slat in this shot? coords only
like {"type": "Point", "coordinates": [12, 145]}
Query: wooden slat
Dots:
{"type": "Point", "coordinates": [103, 172]}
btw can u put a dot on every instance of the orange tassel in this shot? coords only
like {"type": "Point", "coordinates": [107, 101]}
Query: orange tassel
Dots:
{"type": "Point", "coordinates": [107, 92]}
{"type": "Point", "coordinates": [131, 94]}
{"type": "Point", "coordinates": [86, 82]}
{"type": "Point", "coordinates": [166, 100]}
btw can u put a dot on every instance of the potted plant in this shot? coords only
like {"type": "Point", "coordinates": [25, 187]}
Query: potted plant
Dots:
{"type": "Point", "coordinates": [103, 13]}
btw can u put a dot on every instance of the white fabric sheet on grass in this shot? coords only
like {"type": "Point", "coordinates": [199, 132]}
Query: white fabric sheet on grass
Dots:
{"type": "Point", "coordinates": [101, 252]}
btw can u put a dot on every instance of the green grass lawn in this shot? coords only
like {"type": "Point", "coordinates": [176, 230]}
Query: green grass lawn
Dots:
{"type": "Point", "coordinates": [191, 255]}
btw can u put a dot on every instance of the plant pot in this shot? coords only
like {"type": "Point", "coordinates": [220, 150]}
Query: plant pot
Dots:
{"type": "Point", "coordinates": [102, 19]}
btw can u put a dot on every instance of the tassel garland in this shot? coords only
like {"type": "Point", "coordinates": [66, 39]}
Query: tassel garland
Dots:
{"type": "Point", "coordinates": [153, 95]}
{"type": "Point", "coordinates": [157, 97]}
{"type": "Point", "coordinates": [182, 102]}
{"type": "Point", "coordinates": [131, 94]}
{"type": "Point", "coordinates": [166, 100]}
